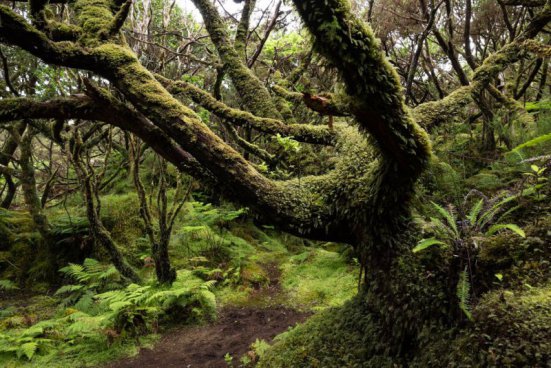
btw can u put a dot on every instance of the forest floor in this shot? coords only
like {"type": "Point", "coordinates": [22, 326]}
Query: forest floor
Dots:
{"type": "Point", "coordinates": [206, 346]}
{"type": "Point", "coordinates": [231, 335]}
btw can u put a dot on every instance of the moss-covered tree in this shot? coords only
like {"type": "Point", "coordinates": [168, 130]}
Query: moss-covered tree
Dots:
{"type": "Point", "coordinates": [406, 302]}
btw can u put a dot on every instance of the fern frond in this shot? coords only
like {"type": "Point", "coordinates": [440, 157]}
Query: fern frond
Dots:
{"type": "Point", "coordinates": [443, 230]}
{"type": "Point", "coordinates": [488, 216]}
{"type": "Point", "coordinates": [426, 243]}
{"type": "Point", "coordinates": [7, 285]}
{"type": "Point", "coordinates": [475, 211]}
{"type": "Point", "coordinates": [449, 217]}
{"type": "Point", "coordinates": [514, 228]}
{"type": "Point", "coordinates": [67, 289]}
{"type": "Point", "coordinates": [505, 214]}
{"type": "Point", "coordinates": [27, 349]}
{"type": "Point", "coordinates": [463, 293]}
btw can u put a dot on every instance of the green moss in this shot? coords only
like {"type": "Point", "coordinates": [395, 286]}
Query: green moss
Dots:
{"type": "Point", "coordinates": [511, 330]}
{"type": "Point", "coordinates": [121, 215]}
{"type": "Point", "coordinates": [485, 182]}
{"type": "Point", "coordinates": [252, 274]}
{"type": "Point", "coordinates": [383, 326]}
{"type": "Point", "coordinates": [318, 279]}
{"type": "Point", "coordinates": [523, 263]}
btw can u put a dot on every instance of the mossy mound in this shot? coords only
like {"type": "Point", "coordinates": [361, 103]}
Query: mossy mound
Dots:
{"type": "Point", "coordinates": [382, 326]}
{"type": "Point", "coordinates": [523, 263]}
{"type": "Point", "coordinates": [513, 330]}
{"type": "Point", "coordinates": [336, 337]}
{"type": "Point", "coordinates": [509, 330]}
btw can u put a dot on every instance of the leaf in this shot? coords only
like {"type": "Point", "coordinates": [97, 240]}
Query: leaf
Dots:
{"type": "Point", "coordinates": [514, 228]}
{"type": "Point", "coordinates": [534, 142]}
{"type": "Point", "coordinates": [425, 243]}
{"type": "Point", "coordinates": [7, 285]}
{"type": "Point", "coordinates": [116, 306]}
{"type": "Point", "coordinates": [475, 210]}
{"type": "Point", "coordinates": [28, 349]}
{"type": "Point", "coordinates": [499, 276]}
{"type": "Point", "coordinates": [448, 215]}
{"type": "Point", "coordinates": [463, 293]}
{"type": "Point", "coordinates": [490, 214]}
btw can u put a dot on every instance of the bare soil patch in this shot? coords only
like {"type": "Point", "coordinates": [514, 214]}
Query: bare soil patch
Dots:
{"type": "Point", "coordinates": [205, 346]}
{"type": "Point", "coordinates": [233, 332]}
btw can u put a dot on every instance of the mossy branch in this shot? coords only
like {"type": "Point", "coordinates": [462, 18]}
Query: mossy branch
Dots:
{"type": "Point", "coordinates": [332, 104]}
{"type": "Point", "coordinates": [248, 146]}
{"type": "Point", "coordinates": [254, 95]}
{"type": "Point", "coordinates": [119, 19]}
{"type": "Point", "coordinates": [376, 98]}
{"type": "Point", "coordinates": [242, 33]}
{"type": "Point", "coordinates": [15, 31]}
{"type": "Point", "coordinates": [99, 108]}
{"type": "Point", "coordinates": [436, 112]}
{"type": "Point", "coordinates": [301, 132]}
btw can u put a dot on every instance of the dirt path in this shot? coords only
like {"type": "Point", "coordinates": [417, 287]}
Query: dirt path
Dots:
{"type": "Point", "coordinates": [233, 332]}
{"type": "Point", "coordinates": [206, 346]}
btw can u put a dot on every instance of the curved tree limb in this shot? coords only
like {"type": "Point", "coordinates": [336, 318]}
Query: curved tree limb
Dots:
{"type": "Point", "coordinates": [301, 132]}
{"type": "Point", "coordinates": [254, 96]}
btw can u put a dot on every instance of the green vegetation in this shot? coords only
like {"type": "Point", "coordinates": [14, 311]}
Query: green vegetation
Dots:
{"type": "Point", "coordinates": [317, 279]}
{"type": "Point", "coordinates": [367, 180]}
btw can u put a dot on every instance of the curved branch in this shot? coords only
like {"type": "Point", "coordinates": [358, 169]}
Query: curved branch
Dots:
{"type": "Point", "coordinates": [377, 101]}
{"type": "Point", "coordinates": [254, 96]}
{"type": "Point", "coordinates": [87, 108]}
{"type": "Point", "coordinates": [301, 132]}
{"type": "Point", "coordinates": [435, 112]}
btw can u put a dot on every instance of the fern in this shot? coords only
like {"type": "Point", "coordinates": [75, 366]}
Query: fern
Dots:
{"type": "Point", "coordinates": [448, 215]}
{"type": "Point", "coordinates": [463, 293]}
{"type": "Point", "coordinates": [7, 285]}
{"type": "Point", "coordinates": [92, 277]}
{"type": "Point", "coordinates": [514, 228]}
{"type": "Point", "coordinates": [475, 211]}
{"type": "Point", "coordinates": [27, 349]}
{"type": "Point", "coordinates": [534, 142]}
{"type": "Point", "coordinates": [127, 311]}
{"type": "Point", "coordinates": [426, 243]}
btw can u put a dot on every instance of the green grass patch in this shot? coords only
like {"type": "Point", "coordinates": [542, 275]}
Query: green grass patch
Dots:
{"type": "Point", "coordinates": [317, 279]}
